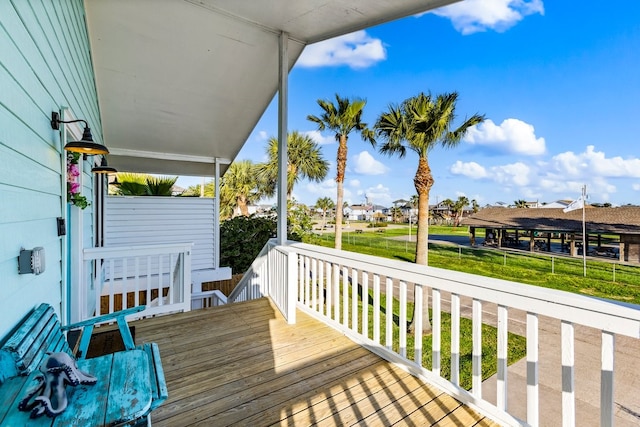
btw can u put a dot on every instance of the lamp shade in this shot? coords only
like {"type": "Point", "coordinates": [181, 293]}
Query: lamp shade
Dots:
{"type": "Point", "coordinates": [86, 145]}
{"type": "Point", "coordinates": [103, 168]}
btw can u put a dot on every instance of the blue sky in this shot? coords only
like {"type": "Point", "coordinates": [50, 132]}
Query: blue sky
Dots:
{"type": "Point", "coordinates": [559, 83]}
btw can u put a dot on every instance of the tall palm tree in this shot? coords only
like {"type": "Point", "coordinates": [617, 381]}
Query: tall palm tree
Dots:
{"type": "Point", "coordinates": [239, 187]}
{"type": "Point", "coordinates": [475, 205]}
{"type": "Point", "coordinates": [419, 124]}
{"type": "Point", "coordinates": [325, 204]}
{"type": "Point", "coordinates": [304, 161]}
{"type": "Point", "coordinates": [343, 117]}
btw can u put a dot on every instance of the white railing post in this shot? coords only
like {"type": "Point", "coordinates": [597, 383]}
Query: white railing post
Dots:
{"type": "Point", "coordinates": [477, 348]}
{"type": "Point", "coordinates": [503, 337]}
{"type": "Point", "coordinates": [568, 369]}
{"type": "Point", "coordinates": [455, 339]}
{"type": "Point", "coordinates": [606, 379]}
{"type": "Point", "coordinates": [292, 288]}
{"type": "Point", "coordinates": [533, 416]}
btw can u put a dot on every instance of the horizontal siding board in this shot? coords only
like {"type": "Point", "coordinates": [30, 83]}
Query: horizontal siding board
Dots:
{"type": "Point", "coordinates": [39, 179]}
{"type": "Point", "coordinates": [23, 205]}
{"type": "Point", "coordinates": [152, 220]}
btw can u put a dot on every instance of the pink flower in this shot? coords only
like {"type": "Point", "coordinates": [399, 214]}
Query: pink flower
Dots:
{"type": "Point", "coordinates": [74, 188]}
{"type": "Point", "coordinates": [73, 169]}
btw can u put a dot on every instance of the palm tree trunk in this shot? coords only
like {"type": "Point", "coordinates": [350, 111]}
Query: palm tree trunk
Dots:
{"type": "Point", "coordinates": [242, 206]}
{"type": "Point", "coordinates": [423, 182]}
{"type": "Point", "coordinates": [341, 165]}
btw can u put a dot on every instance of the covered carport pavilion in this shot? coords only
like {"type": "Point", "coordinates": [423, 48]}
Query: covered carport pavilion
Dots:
{"type": "Point", "coordinates": [538, 226]}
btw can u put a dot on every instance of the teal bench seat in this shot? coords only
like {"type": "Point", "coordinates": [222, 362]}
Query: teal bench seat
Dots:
{"type": "Point", "coordinates": [130, 384]}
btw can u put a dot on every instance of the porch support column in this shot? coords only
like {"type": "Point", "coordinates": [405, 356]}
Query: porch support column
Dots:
{"type": "Point", "coordinates": [283, 83]}
{"type": "Point", "coordinates": [216, 214]}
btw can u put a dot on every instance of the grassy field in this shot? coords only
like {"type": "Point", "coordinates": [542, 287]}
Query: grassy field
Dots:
{"type": "Point", "coordinates": [604, 279]}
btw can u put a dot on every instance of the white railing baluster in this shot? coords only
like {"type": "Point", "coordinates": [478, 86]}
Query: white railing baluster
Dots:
{"type": "Point", "coordinates": [314, 284]}
{"type": "Point", "coordinates": [417, 323]}
{"type": "Point", "coordinates": [336, 292]}
{"type": "Point", "coordinates": [321, 286]}
{"type": "Point", "coordinates": [403, 319]}
{"type": "Point", "coordinates": [503, 338]}
{"type": "Point", "coordinates": [388, 341]}
{"type": "Point", "coordinates": [365, 304]}
{"type": "Point", "coordinates": [328, 289]}
{"type": "Point", "coordinates": [376, 308]}
{"type": "Point", "coordinates": [568, 371]}
{"type": "Point", "coordinates": [136, 297]}
{"type": "Point", "coordinates": [301, 278]}
{"type": "Point", "coordinates": [345, 296]}
{"type": "Point", "coordinates": [148, 298]}
{"type": "Point", "coordinates": [606, 379]}
{"type": "Point", "coordinates": [160, 287]}
{"type": "Point", "coordinates": [455, 339]}
{"type": "Point", "coordinates": [307, 279]}
{"type": "Point", "coordinates": [354, 299]}
{"type": "Point", "coordinates": [436, 330]}
{"type": "Point", "coordinates": [532, 370]}
{"type": "Point", "coordinates": [111, 283]}
{"type": "Point", "coordinates": [477, 349]}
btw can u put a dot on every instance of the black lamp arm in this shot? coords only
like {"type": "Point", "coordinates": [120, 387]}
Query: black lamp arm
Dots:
{"type": "Point", "coordinates": [55, 121]}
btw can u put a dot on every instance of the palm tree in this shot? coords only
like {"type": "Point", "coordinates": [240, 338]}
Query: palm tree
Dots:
{"type": "Point", "coordinates": [421, 123]}
{"type": "Point", "coordinates": [458, 208]}
{"type": "Point", "coordinates": [141, 184]}
{"type": "Point", "coordinates": [475, 205]}
{"type": "Point", "coordinates": [396, 213]}
{"type": "Point", "coordinates": [239, 187]}
{"type": "Point", "coordinates": [325, 204]}
{"type": "Point", "coordinates": [521, 204]}
{"type": "Point", "coordinates": [343, 117]}
{"type": "Point", "coordinates": [304, 161]}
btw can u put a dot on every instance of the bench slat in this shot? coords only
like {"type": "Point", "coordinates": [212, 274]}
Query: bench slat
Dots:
{"type": "Point", "coordinates": [160, 392]}
{"type": "Point", "coordinates": [131, 377]}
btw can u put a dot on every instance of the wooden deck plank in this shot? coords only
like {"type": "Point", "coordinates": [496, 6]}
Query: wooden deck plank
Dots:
{"type": "Point", "coordinates": [242, 364]}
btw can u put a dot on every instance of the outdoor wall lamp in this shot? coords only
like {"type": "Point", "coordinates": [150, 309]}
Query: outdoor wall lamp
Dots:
{"type": "Point", "coordinates": [104, 167]}
{"type": "Point", "coordinates": [86, 145]}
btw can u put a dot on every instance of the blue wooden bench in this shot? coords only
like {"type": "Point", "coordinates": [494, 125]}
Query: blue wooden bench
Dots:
{"type": "Point", "coordinates": [130, 383]}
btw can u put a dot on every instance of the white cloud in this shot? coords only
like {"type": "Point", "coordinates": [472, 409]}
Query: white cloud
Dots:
{"type": "Point", "coordinates": [472, 16]}
{"type": "Point", "coordinates": [636, 187]}
{"type": "Point", "coordinates": [354, 183]}
{"type": "Point", "coordinates": [365, 164]}
{"type": "Point", "coordinates": [327, 188]}
{"type": "Point", "coordinates": [512, 136]}
{"type": "Point", "coordinates": [356, 50]}
{"type": "Point", "coordinates": [263, 135]}
{"type": "Point", "coordinates": [593, 163]}
{"type": "Point", "coordinates": [469, 169]}
{"type": "Point", "coordinates": [318, 138]}
{"type": "Point", "coordinates": [379, 195]}
{"type": "Point", "coordinates": [515, 173]}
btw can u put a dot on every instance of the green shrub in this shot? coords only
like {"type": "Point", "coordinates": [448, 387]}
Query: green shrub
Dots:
{"type": "Point", "coordinates": [242, 238]}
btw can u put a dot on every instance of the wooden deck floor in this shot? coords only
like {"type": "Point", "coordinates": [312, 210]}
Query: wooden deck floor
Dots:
{"type": "Point", "coordinates": [242, 364]}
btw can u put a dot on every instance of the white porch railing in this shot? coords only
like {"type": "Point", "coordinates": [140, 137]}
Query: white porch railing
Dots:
{"type": "Point", "coordinates": [324, 280]}
{"type": "Point", "coordinates": [273, 267]}
{"type": "Point", "coordinates": [156, 275]}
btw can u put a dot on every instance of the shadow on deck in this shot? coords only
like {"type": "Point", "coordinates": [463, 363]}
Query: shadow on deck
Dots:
{"type": "Point", "coordinates": [242, 364]}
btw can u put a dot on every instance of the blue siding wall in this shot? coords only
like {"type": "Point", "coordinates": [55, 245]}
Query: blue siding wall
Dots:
{"type": "Point", "coordinates": [45, 64]}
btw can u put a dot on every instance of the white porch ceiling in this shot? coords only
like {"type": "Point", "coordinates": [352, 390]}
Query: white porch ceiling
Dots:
{"type": "Point", "coordinates": [182, 82]}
